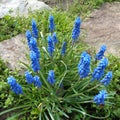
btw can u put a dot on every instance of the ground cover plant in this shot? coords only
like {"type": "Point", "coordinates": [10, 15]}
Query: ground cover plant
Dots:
{"type": "Point", "coordinates": [63, 81]}
{"type": "Point", "coordinates": [63, 30]}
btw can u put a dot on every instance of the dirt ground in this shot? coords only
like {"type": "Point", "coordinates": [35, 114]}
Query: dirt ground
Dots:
{"type": "Point", "coordinates": [103, 27]}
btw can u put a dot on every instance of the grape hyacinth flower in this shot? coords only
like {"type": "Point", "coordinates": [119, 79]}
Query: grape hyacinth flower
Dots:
{"type": "Point", "coordinates": [34, 61]}
{"type": "Point", "coordinates": [51, 77]}
{"type": "Point", "coordinates": [100, 54]}
{"type": "Point", "coordinates": [106, 80]}
{"type": "Point", "coordinates": [54, 38]}
{"type": "Point", "coordinates": [51, 23]}
{"type": "Point", "coordinates": [99, 99]}
{"type": "Point", "coordinates": [28, 36]}
{"type": "Point", "coordinates": [82, 57]}
{"type": "Point", "coordinates": [99, 71]}
{"type": "Point", "coordinates": [33, 47]}
{"type": "Point", "coordinates": [76, 29]}
{"type": "Point", "coordinates": [29, 77]}
{"type": "Point", "coordinates": [50, 45]}
{"type": "Point", "coordinates": [63, 48]}
{"type": "Point", "coordinates": [34, 29]}
{"type": "Point", "coordinates": [37, 81]}
{"type": "Point", "coordinates": [14, 86]}
{"type": "Point", "coordinates": [84, 65]}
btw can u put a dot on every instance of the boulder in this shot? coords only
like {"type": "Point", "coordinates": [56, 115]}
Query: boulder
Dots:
{"type": "Point", "coordinates": [103, 28]}
{"type": "Point", "coordinates": [13, 51]}
{"type": "Point", "coordinates": [20, 7]}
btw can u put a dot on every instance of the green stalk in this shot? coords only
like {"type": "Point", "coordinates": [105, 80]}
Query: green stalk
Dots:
{"type": "Point", "coordinates": [93, 87]}
{"type": "Point", "coordinates": [74, 95]}
{"type": "Point", "coordinates": [15, 108]}
{"type": "Point", "coordinates": [77, 110]}
{"type": "Point", "coordinates": [44, 80]}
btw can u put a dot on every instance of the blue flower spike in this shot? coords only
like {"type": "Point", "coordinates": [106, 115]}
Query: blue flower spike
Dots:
{"type": "Point", "coordinates": [51, 23]}
{"type": "Point", "coordinates": [106, 80]}
{"type": "Point", "coordinates": [76, 29]}
{"type": "Point", "coordinates": [99, 99]}
{"type": "Point", "coordinates": [54, 38]}
{"type": "Point", "coordinates": [63, 51]}
{"type": "Point", "coordinates": [28, 36]}
{"type": "Point", "coordinates": [37, 81]}
{"type": "Point", "coordinates": [51, 77]}
{"type": "Point", "coordinates": [99, 70]}
{"type": "Point", "coordinates": [50, 45]}
{"type": "Point", "coordinates": [14, 86]}
{"type": "Point", "coordinates": [84, 65]}
{"type": "Point", "coordinates": [29, 77]}
{"type": "Point", "coordinates": [34, 29]}
{"type": "Point", "coordinates": [34, 61]}
{"type": "Point", "coordinates": [34, 47]}
{"type": "Point", "coordinates": [100, 54]}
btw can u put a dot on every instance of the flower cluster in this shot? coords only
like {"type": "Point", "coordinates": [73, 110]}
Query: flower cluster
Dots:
{"type": "Point", "coordinates": [34, 61]}
{"type": "Point", "coordinates": [54, 37]}
{"type": "Point", "coordinates": [84, 65]}
{"type": "Point", "coordinates": [37, 81]}
{"type": "Point", "coordinates": [34, 29]}
{"type": "Point", "coordinates": [33, 47]}
{"type": "Point", "coordinates": [100, 54]}
{"type": "Point", "coordinates": [14, 86]}
{"type": "Point", "coordinates": [99, 99]}
{"type": "Point", "coordinates": [51, 77]}
{"type": "Point", "coordinates": [106, 80]}
{"type": "Point", "coordinates": [63, 48]}
{"type": "Point", "coordinates": [51, 23]}
{"type": "Point", "coordinates": [76, 29]}
{"type": "Point", "coordinates": [50, 45]}
{"type": "Point", "coordinates": [84, 69]}
{"type": "Point", "coordinates": [28, 36]}
{"type": "Point", "coordinates": [30, 79]}
{"type": "Point", "coordinates": [32, 44]}
{"type": "Point", "coordinates": [99, 71]}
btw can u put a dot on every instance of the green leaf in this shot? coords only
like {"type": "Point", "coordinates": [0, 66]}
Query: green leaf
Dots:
{"type": "Point", "coordinates": [50, 114]}
{"type": "Point", "coordinates": [14, 108]}
{"type": "Point", "coordinates": [117, 112]}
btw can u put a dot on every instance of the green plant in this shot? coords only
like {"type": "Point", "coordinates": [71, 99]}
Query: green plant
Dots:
{"type": "Point", "coordinates": [115, 86]}
{"type": "Point", "coordinates": [63, 96]}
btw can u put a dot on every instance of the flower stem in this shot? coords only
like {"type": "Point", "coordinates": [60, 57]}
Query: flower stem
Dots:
{"type": "Point", "coordinates": [93, 87]}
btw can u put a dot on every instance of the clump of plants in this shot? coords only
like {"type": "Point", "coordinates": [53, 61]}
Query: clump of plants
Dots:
{"type": "Point", "coordinates": [63, 81]}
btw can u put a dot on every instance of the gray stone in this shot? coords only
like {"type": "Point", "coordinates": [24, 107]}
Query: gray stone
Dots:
{"type": "Point", "coordinates": [20, 7]}
{"type": "Point", "coordinates": [14, 51]}
{"type": "Point", "coordinates": [103, 27]}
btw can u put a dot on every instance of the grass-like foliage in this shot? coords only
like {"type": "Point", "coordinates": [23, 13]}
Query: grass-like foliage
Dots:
{"type": "Point", "coordinates": [63, 81]}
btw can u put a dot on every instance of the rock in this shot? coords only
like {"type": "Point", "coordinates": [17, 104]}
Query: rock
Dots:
{"type": "Point", "coordinates": [103, 27]}
{"type": "Point", "coordinates": [20, 7]}
{"type": "Point", "coordinates": [13, 52]}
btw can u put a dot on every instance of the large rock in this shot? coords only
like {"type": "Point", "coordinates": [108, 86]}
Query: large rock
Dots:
{"type": "Point", "coordinates": [21, 7]}
{"type": "Point", "coordinates": [103, 27]}
{"type": "Point", "coordinates": [13, 52]}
